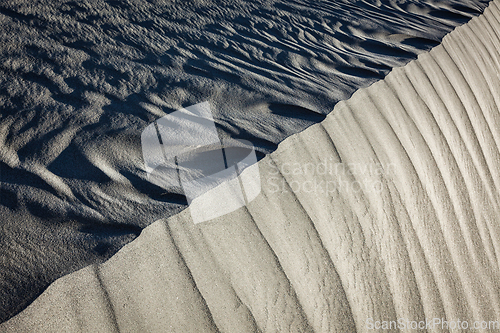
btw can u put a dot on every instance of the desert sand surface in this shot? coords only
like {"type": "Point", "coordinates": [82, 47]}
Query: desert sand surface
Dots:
{"type": "Point", "coordinates": [80, 80]}
{"type": "Point", "coordinates": [388, 208]}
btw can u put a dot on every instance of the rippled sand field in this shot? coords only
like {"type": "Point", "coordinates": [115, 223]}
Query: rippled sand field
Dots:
{"type": "Point", "coordinates": [407, 227]}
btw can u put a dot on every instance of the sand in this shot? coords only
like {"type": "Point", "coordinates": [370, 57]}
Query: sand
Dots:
{"type": "Point", "coordinates": [80, 81]}
{"type": "Point", "coordinates": [404, 225]}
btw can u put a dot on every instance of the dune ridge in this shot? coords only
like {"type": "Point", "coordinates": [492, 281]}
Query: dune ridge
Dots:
{"type": "Point", "coordinates": [413, 232]}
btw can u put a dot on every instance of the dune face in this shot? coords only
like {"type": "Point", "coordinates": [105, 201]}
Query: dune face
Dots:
{"type": "Point", "coordinates": [387, 209]}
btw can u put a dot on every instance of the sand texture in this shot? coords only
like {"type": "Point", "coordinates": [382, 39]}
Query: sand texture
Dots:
{"type": "Point", "coordinates": [405, 225]}
{"type": "Point", "coordinates": [81, 80]}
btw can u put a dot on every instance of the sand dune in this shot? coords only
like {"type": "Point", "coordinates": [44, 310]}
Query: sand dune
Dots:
{"type": "Point", "coordinates": [80, 80]}
{"type": "Point", "coordinates": [387, 209]}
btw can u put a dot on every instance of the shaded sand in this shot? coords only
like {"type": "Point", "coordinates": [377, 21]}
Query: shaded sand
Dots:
{"type": "Point", "coordinates": [80, 80]}
{"type": "Point", "coordinates": [409, 228]}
